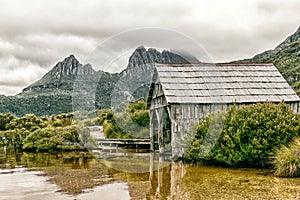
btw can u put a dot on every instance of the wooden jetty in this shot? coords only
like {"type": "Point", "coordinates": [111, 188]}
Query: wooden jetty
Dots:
{"type": "Point", "coordinates": [104, 143]}
{"type": "Point", "coordinates": [124, 143]}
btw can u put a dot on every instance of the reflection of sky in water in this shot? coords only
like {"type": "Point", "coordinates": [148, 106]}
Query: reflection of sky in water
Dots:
{"type": "Point", "coordinates": [20, 184]}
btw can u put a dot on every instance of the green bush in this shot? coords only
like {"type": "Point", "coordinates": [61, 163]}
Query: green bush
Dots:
{"type": "Point", "coordinates": [13, 139]}
{"type": "Point", "coordinates": [287, 160]}
{"type": "Point", "coordinates": [51, 139]}
{"type": "Point", "coordinates": [108, 129]}
{"type": "Point", "coordinates": [38, 133]}
{"type": "Point", "coordinates": [141, 117]}
{"type": "Point", "coordinates": [61, 120]}
{"type": "Point", "coordinates": [297, 88]}
{"type": "Point", "coordinates": [5, 120]}
{"type": "Point", "coordinates": [127, 122]}
{"type": "Point", "coordinates": [137, 105]}
{"type": "Point", "coordinates": [105, 115]}
{"type": "Point", "coordinates": [249, 135]}
{"type": "Point", "coordinates": [41, 140]}
{"type": "Point", "coordinates": [29, 122]}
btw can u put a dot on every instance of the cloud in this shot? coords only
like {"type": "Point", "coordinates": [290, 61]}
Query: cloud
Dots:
{"type": "Point", "coordinates": [15, 74]}
{"type": "Point", "coordinates": [40, 33]}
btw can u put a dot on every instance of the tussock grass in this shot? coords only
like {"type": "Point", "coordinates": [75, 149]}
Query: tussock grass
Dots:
{"type": "Point", "coordinates": [287, 160]}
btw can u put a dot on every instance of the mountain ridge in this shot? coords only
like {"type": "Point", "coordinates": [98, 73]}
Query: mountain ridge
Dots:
{"type": "Point", "coordinates": [54, 92]}
{"type": "Point", "coordinates": [268, 53]}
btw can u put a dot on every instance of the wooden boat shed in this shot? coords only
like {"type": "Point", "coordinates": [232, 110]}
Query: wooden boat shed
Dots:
{"type": "Point", "coordinates": [181, 94]}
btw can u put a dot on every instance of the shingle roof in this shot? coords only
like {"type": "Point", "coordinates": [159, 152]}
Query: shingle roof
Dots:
{"type": "Point", "coordinates": [223, 83]}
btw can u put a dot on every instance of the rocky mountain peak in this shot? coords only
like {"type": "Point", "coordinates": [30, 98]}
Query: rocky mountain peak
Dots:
{"type": "Point", "coordinates": [70, 66]}
{"type": "Point", "coordinates": [142, 60]}
{"type": "Point", "coordinates": [62, 74]}
{"type": "Point", "coordinates": [71, 57]}
{"type": "Point", "coordinates": [140, 48]}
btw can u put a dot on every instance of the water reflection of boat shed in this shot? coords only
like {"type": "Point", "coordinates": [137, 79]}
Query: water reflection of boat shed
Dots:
{"type": "Point", "coordinates": [181, 94]}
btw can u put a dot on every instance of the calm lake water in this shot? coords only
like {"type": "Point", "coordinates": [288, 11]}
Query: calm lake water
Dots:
{"type": "Point", "coordinates": [82, 175]}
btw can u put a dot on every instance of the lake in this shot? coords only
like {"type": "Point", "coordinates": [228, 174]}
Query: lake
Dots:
{"type": "Point", "coordinates": [126, 175]}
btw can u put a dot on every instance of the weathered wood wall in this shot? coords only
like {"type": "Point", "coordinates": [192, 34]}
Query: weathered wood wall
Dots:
{"type": "Point", "coordinates": [184, 118]}
{"type": "Point", "coordinates": [295, 106]}
{"type": "Point", "coordinates": [157, 107]}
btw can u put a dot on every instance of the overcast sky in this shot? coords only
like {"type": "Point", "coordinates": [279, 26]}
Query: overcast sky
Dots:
{"type": "Point", "coordinates": [36, 34]}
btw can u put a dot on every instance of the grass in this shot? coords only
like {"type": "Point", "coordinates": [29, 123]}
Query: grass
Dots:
{"type": "Point", "coordinates": [287, 160]}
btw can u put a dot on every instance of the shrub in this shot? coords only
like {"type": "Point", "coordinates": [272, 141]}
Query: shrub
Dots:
{"type": "Point", "coordinates": [249, 136]}
{"type": "Point", "coordinates": [13, 139]}
{"type": "Point", "coordinates": [5, 120]}
{"type": "Point", "coordinates": [287, 160]}
{"type": "Point", "coordinates": [62, 120]}
{"type": "Point", "coordinates": [40, 140]}
{"type": "Point", "coordinates": [51, 139]}
{"type": "Point", "coordinates": [130, 121]}
{"type": "Point", "coordinates": [38, 133]}
{"type": "Point", "coordinates": [141, 117]}
{"type": "Point", "coordinates": [297, 88]}
{"type": "Point", "coordinates": [137, 105]}
{"type": "Point", "coordinates": [104, 116]}
{"type": "Point", "coordinates": [29, 122]}
{"type": "Point", "coordinates": [108, 129]}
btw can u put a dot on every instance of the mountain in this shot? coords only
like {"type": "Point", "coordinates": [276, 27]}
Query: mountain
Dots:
{"type": "Point", "coordinates": [62, 75]}
{"type": "Point", "coordinates": [71, 85]}
{"type": "Point", "coordinates": [286, 57]}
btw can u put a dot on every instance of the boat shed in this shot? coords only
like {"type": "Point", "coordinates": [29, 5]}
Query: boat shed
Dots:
{"type": "Point", "coordinates": [182, 94]}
